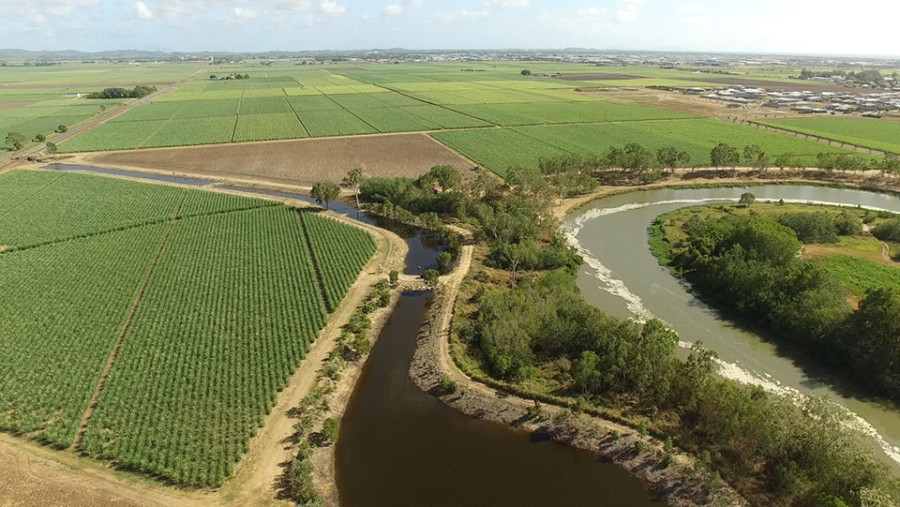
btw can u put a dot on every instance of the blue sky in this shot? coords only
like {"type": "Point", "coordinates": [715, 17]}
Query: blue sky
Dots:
{"type": "Point", "coordinates": [782, 26]}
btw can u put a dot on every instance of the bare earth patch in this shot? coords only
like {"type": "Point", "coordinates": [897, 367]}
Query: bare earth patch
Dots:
{"type": "Point", "coordinates": [597, 77]}
{"type": "Point", "coordinates": [6, 106]}
{"type": "Point", "coordinates": [302, 161]}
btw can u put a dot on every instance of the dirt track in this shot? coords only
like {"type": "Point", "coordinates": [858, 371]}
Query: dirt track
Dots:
{"type": "Point", "coordinates": [299, 162]}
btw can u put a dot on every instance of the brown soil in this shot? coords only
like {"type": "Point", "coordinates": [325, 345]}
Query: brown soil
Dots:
{"type": "Point", "coordinates": [597, 77]}
{"type": "Point", "coordinates": [6, 106]}
{"type": "Point", "coordinates": [299, 162]}
{"type": "Point", "coordinates": [70, 86]}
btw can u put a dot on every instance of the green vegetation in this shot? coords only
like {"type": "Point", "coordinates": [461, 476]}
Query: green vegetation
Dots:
{"type": "Point", "coordinates": [529, 331]}
{"type": "Point", "coordinates": [747, 264]}
{"type": "Point", "coordinates": [500, 149]}
{"type": "Point", "coordinates": [121, 93]}
{"type": "Point", "coordinates": [871, 133]}
{"type": "Point", "coordinates": [861, 275]}
{"type": "Point", "coordinates": [339, 252]}
{"type": "Point", "coordinates": [227, 301]}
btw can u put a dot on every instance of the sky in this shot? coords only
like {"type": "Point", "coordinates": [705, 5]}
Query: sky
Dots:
{"type": "Point", "coordinates": [862, 27]}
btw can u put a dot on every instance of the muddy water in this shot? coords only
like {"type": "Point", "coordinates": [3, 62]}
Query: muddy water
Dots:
{"type": "Point", "coordinates": [400, 446]}
{"type": "Point", "coordinates": [623, 278]}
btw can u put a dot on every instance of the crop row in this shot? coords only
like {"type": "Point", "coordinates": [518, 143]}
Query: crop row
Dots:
{"type": "Point", "coordinates": [49, 206]}
{"type": "Point", "coordinates": [63, 307]}
{"type": "Point", "coordinates": [340, 253]}
{"type": "Point", "coordinates": [231, 309]}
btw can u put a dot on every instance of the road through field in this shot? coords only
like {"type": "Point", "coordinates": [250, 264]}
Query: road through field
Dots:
{"type": "Point", "coordinates": [10, 159]}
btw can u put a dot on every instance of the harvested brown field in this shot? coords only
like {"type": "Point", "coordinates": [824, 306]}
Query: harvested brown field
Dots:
{"type": "Point", "coordinates": [597, 77]}
{"type": "Point", "coordinates": [298, 162]}
{"type": "Point", "coordinates": [344, 69]}
{"type": "Point", "coordinates": [5, 106]}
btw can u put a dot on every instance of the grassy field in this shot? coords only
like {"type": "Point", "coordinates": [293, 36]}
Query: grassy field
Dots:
{"type": "Point", "coordinates": [500, 149]}
{"type": "Point", "coordinates": [861, 275]}
{"type": "Point", "coordinates": [315, 101]}
{"type": "Point", "coordinates": [872, 133]}
{"type": "Point", "coordinates": [214, 298]}
{"type": "Point", "coordinates": [37, 100]}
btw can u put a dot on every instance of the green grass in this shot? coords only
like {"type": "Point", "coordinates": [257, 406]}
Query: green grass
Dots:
{"type": "Point", "coordinates": [262, 127]}
{"type": "Point", "coordinates": [861, 275]}
{"type": "Point", "coordinates": [500, 149]}
{"type": "Point", "coordinates": [872, 133]}
{"type": "Point", "coordinates": [230, 310]}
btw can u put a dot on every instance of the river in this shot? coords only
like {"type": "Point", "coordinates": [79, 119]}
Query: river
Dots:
{"type": "Point", "coordinates": [622, 277]}
{"type": "Point", "coordinates": [401, 446]}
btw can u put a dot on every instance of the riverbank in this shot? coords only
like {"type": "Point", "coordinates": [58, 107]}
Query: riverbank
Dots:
{"type": "Point", "coordinates": [740, 176]}
{"type": "Point", "coordinates": [670, 475]}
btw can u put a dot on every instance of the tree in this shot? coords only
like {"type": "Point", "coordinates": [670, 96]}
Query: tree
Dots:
{"type": "Point", "coordinates": [102, 108]}
{"type": "Point", "coordinates": [51, 147]}
{"type": "Point", "coordinates": [444, 259]}
{"type": "Point", "coordinates": [62, 128]}
{"type": "Point", "coordinates": [724, 155]}
{"type": "Point", "coordinates": [747, 199]}
{"type": "Point", "coordinates": [331, 429]}
{"type": "Point", "coordinates": [39, 138]}
{"type": "Point", "coordinates": [751, 154]}
{"type": "Point", "coordinates": [431, 278]}
{"type": "Point", "coordinates": [526, 72]}
{"type": "Point", "coordinates": [667, 157]}
{"type": "Point", "coordinates": [213, 77]}
{"type": "Point", "coordinates": [16, 139]}
{"type": "Point", "coordinates": [324, 192]}
{"type": "Point", "coordinates": [352, 181]}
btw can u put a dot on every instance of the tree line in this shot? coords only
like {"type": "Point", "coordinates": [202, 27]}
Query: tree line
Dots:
{"type": "Point", "coordinates": [137, 92]}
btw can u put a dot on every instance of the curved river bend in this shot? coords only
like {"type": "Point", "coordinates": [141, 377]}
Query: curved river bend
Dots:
{"type": "Point", "coordinates": [623, 278]}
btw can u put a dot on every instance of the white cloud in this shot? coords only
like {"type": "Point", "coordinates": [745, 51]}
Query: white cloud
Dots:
{"type": "Point", "coordinates": [294, 5]}
{"type": "Point", "coordinates": [694, 14]}
{"type": "Point", "coordinates": [629, 10]}
{"type": "Point", "coordinates": [332, 9]}
{"type": "Point", "coordinates": [141, 10]}
{"type": "Point", "coordinates": [243, 13]}
{"type": "Point", "coordinates": [394, 9]}
{"type": "Point", "coordinates": [508, 4]}
{"type": "Point", "coordinates": [462, 15]}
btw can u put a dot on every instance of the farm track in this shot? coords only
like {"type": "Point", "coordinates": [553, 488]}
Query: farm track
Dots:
{"type": "Point", "coordinates": [8, 162]}
{"type": "Point", "coordinates": [114, 354]}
